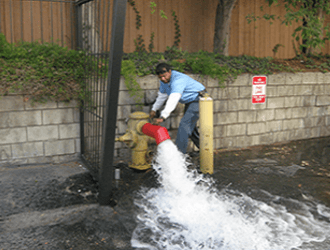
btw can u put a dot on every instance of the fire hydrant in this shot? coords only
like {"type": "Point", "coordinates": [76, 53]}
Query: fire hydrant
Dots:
{"type": "Point", "coordinates": [136, 140]}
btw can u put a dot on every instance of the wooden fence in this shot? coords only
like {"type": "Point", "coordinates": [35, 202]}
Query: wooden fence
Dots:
{"type": "Point", "coordinates": [46, 20]}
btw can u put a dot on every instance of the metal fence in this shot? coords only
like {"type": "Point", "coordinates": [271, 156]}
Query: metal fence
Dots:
{"type": "Point", "coordinates": [97, 28]}
{"type": "Point", "coordinates": [94, 36]}
{"type": "Point", "coordinates": [104, 48]}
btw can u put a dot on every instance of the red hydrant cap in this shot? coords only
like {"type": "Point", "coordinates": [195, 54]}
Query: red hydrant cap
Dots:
{"type": "Point", "coordinates": [158, 132]}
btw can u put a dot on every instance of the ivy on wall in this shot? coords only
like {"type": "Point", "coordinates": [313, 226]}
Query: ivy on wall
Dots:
{"type": "Point", "coordinates": [51, 72]}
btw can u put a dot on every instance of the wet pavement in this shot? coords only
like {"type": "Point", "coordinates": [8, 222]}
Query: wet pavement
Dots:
{"type": "Point", "coordinates": [55, 206]}
{"type": "Point", "coordinates": [298, 170]}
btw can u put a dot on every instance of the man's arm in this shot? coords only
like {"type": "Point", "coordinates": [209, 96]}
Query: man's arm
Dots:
{"type": "Point", "coordinates": [161, 98]}
{"type": "Point", "coordinates": [171, 104]}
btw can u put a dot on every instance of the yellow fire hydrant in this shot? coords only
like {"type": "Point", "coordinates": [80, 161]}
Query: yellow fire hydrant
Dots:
{"type": "Point", "coordinates": [136, 140]}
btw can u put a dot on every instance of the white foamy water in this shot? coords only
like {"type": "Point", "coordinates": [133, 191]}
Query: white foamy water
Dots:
{"type": "Point", "coordinates": [188, 212]}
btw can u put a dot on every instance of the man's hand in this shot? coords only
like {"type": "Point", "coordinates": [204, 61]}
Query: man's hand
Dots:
{"type": "Point", "coordinates": [157, 121]}
{"type": "Point", "coordinates": [152, 114]}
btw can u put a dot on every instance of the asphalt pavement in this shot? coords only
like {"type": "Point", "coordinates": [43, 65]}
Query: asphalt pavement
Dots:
{"type": "Point", "coordinates": [55, 206]}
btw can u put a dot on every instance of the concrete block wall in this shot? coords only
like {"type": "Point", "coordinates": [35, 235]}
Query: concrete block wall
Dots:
{"type": "Point", "coordinates": [297, 107]}
{"type": "Point", "coordinates": [39, 133]}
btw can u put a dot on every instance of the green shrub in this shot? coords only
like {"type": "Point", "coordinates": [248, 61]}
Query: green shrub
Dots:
{"type": "Point", "coordinates": [43, 71]}
{"type": "Point", "coordinates": [51, 72]}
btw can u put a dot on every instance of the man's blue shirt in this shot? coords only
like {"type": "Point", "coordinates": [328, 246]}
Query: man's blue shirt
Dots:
{"type": "Point", "coordinates": [183, 84]}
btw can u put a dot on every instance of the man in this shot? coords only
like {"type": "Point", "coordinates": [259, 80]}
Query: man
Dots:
{"type": "Point", "coordinates": [177, 87]}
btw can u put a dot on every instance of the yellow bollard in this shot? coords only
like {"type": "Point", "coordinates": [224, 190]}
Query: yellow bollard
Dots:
{"type": "Point", "coordinates": [206, 134]}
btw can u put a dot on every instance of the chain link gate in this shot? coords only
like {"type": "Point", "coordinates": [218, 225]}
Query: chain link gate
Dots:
{"type": "Point", "coordinates": [100, 35]}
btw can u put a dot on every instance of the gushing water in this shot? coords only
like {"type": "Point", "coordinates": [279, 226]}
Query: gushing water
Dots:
{"type": "Point", "coordinates": [188, 212]}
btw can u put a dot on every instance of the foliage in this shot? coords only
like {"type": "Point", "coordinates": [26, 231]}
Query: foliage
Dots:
{"type": "Point", "coordinates": [309, 14]}
{"type": "Point", "coordinates": [139, 44]}
{"type": "Point", "coordinates": [224, 68]}
{"type": "Point", "coordinates": [144, 62]}
{"type": "Point", "coordinates": [276, 47]}
{"type": "Point", "coordinates": [137, 13]}
{"type": "Point", "coordinates": [129, 72]}
{"type": "Point", "coordinates": [139, 41]}
{"type": "Point", "coordinates": [177, 30]}
{"type": "Point", "coordinates": [50, 72]}
{"type": "Point", "coordinates": [152, 6]}
{"type": "Point", "coordinates": [45, 71]}
{"type": "Point", "coordinates": [151, 44]}
{"type": "Point", "coordinates": [162, 14]}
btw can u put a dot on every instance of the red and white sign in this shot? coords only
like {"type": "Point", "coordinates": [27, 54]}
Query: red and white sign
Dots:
{"type": "Point", "coordinates": [259, 89]}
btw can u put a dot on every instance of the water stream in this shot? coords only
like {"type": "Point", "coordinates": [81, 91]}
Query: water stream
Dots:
{"type": "Point", "coordinates": [187, 211]}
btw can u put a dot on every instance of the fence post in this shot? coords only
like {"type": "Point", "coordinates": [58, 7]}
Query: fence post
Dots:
{"type": "Point", "coordinates": [109, 129]}
{"type": "Point", "coordinates": [78, 20]}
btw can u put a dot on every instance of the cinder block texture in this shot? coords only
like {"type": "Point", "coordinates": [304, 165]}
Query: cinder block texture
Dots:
{"type": "Point", "coordinates": [27, 130]}
{"type": "Point", "coordinates": [12, 135]}
{"type": "Point", "coordinates": [20, 119]}
{"type": "Point", "coordinates": [293, 124]}
{"type": "Point", "coordinates": [242, 80]}
{"type": "Point", "coordinates": [225, 118]}
{"type": "Point", "coordinates": [309, 78]}
{"type": "Point", "coordinates": [247, 116]}
{"type": "Point", "coordinates": [293, 78]}
{"type": "Point", "coordinates": [59, 147]}
{"type": "Point", "coordinates": [256, 128]}
{"type": "Point", "coordinates": [285, 90]}
{"type": "Point", "coordinates": [237, 129]}
{"type": "Point", "coordinates": [148, 82]}
{"type": "Point", "coordinates": [276, 102]}
{"type": "Point", "coordinates": [276, 79]}
{"type": "Point", "coordinates": [40, 106]}
{"type": "Point", "coordinates": [241, 104]}
{"type": "Point", "coordinates": [274, 126]}
{"type": "Point", "coordinates": [11, 103]}
{"type": "Point", "coordinates": [297, 107]}
{"type": "Point", "coordinates": [5, 153]}
{"type": "Point", "coordinates": [58, 116]}
{"type": "Point", "coordinates": [265, 115]}
{"type": "Point", "coordinates": [69, 131]}
{"type": "Point", "coordinates": [323, 100]}
{"type": "Point", "coordinates": [25, 150]}
{"type": "Point", "coordinates": [42, 133]}
{"type": "Point", "coordinates": [303, 90]}
{"type": "Point", "coordinates": [296, 104]}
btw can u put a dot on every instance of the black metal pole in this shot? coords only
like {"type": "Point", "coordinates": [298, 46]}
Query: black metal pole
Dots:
{"type": "Point", "coordinates": [78, 23]}
{"type": "Point", "coordinates": [116, 53]}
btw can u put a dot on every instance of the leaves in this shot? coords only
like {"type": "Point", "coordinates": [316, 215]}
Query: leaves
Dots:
{"type": "Point", "coordinates": [223, 68]}
{"type": "Point", "coordinates": [153, 5]}
{"type": "Point", "coordinates": [129, 72]}
{"type": "Point", "coordinates": [42, 71]}
{"type": "Point", "coordinates": [311, 33]}
{"type": "Point", "coordinates": [162, 14]}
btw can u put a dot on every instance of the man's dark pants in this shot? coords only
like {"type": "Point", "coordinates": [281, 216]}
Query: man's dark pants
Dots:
{"type": "Point", "coordinates": [187, 128]}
